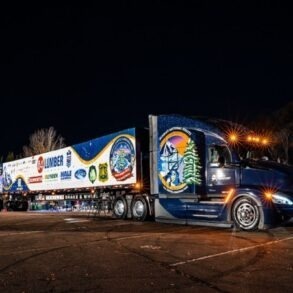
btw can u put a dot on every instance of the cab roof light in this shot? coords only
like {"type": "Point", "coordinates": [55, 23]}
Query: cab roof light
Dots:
{"type": "Point", "coordinates": [258, 140]}
{"type": "Point", "coordinates": [233, 137]}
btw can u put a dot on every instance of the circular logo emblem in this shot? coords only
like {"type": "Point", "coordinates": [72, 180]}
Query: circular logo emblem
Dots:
{"type": "Point", "coordinates": [172, 164]}
{"type": "Point", "coordinates": [122, 158]}
{"type": "Point", "coordinates": [92, 173]}
{"type": "Point", "coordinates": [40, 164]}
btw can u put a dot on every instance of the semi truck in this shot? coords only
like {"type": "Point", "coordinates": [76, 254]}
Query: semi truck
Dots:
{"type": "Point", "coordinates": [182, 170]}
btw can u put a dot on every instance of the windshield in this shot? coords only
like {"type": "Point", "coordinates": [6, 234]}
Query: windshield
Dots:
{"type": "Point", "coordinates": [254, 153]}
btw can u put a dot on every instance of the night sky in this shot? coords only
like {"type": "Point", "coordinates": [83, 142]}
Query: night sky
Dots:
{"type": "Point", "coordinates": [92, 69]}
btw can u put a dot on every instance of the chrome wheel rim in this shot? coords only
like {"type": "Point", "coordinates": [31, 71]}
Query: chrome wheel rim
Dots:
{"type": "Point", "coordinates": [138, 209]}
{"type": "Point", "coordinates": [119, 208]}
{"type": "Point", "coordinates": [247, 215]}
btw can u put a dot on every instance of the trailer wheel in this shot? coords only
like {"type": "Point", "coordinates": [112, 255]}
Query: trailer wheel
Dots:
{"type": "Point", "coordinates": [120, 207]}
{"type": "Point", "coordinates": [246, 214]}
{"type": "Point", "coordinates": [139, 208]}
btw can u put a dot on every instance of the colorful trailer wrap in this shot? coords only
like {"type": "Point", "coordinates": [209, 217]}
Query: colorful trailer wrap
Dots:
{"type": "Point", "coordinates": [106, 161]}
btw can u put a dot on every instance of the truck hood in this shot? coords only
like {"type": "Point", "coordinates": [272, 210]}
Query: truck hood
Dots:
{"type": "Point", "coordinates": [267, 174]}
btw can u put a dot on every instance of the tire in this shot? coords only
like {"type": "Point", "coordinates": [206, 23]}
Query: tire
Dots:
{"type": "Point", "coordinates": [246, 214]}
{"type": "Point", "coordinates": [139, 208]}
{"type": "Point", "coordinates": [25, 207]}
{"type": "Point", "coordinates": [120, 207]}
{"type": "Point", "coordinates": [9, 207]}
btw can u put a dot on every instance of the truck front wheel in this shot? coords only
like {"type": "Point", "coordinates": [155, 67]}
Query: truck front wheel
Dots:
{"type": "Point", "coordinates": [139, 208]}
{"type": "Point", "coordinates": [120, 207]}
{"type": "Point", "coordinates": [245, 213]}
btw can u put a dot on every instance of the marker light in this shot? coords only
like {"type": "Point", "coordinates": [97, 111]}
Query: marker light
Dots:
{"type": "Point", "coordinates": [137, 185]}
{"type": "Point", "coordinates": [278, 197]}
{"type": "Point", "coordinates": [228, 197]}
{"type": "Point", "coordinates": [233, 137]}
{"type": "Point", "coordinates": [268, 195]}
{"type": "Point", "coordinates": [258, 139]}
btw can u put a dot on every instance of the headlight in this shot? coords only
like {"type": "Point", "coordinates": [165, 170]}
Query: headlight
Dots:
{"type": "Point", "coordinates": [280, 199]}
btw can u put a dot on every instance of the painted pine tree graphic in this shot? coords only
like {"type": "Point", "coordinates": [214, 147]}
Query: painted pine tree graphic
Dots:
{"type": "Point", "coordinates": [191, 174]}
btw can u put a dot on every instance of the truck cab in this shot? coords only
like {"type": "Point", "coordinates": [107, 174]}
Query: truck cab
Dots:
{"type": "Point", "coordinates": [215, 185]}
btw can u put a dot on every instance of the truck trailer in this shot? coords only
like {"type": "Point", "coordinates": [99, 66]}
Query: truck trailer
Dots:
{"type": "Point", "coordinates": [180, 170]}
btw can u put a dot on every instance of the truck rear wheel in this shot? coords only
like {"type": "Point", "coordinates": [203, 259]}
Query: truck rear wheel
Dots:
{"type": "Point", "coordinates": [120, 207]}
{"type": "Point", "coordinates": [139, 208]}
{"type": "Point", "coordinates": [246, 214]}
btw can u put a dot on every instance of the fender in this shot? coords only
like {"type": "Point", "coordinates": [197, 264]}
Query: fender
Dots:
{"type": "Point", "coordinates": [150, 203]}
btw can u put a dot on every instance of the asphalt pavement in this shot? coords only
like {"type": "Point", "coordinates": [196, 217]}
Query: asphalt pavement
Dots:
{"type": "Point", "coordinates": [83, 252]}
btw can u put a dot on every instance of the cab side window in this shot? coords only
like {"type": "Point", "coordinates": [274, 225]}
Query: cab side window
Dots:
{"type": "Point", "coordinates": [218, 156]}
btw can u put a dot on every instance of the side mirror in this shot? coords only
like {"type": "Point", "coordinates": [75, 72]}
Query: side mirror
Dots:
{"type": "Point", "coordinates": [221, 161]}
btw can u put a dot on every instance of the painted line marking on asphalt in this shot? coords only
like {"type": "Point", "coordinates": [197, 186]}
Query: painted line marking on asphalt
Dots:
{"type": "Point", "coordinates": [150, 247]}
{"type": "Point", "coordinates": [73, 220]}
{"type": "Point", "coordinates": [133, 236]}
{"type": "Point", "coordinates": [68, 246]}
{"type": "Point", "coordinates": [76, 221]}
{"type": "Point", "coordinates": [229, 252]}
{"type": "Point", "coordinates": [24, 251]}
{"type": "Point", "coordinates": [20, 233]}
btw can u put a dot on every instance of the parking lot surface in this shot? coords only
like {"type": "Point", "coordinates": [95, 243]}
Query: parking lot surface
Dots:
{"type": "Point", "coordinates": [80, 252]}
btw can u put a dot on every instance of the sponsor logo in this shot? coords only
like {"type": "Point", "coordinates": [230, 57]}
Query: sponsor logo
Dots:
{"type": "Point", "coordinates": [122, 158]}
{"type": "Point", "coordinates": [80, 174]}
{"type": "Point", "coordinates": [52, 176]}
{"type": "Point", "coordinates": [55, 197]}
{"type": "Point", "coordinates": [65, 175]}
{"type": "Point", "coordinates": [103, 172]}
{"type": "Point", "coordinates": [6, 179]}
{"type": "Point", "coordinates": [92, 173]}
{"type": "Point", "coordinates": [68, 158]}
{"type": "Point", "coordinates": [52, 162]}
{"type": "Point", "coordinates": [35, 179]}
{"type": "Point", "coordinates": [40, 164]}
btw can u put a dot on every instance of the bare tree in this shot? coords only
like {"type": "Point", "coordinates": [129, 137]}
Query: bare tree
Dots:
{"type": "Point", "coordinates": [279, 126]}
{"type": "Point", "coordinates": [43, 140]}
{"type": "Point", "coordinates": [284, 131]}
